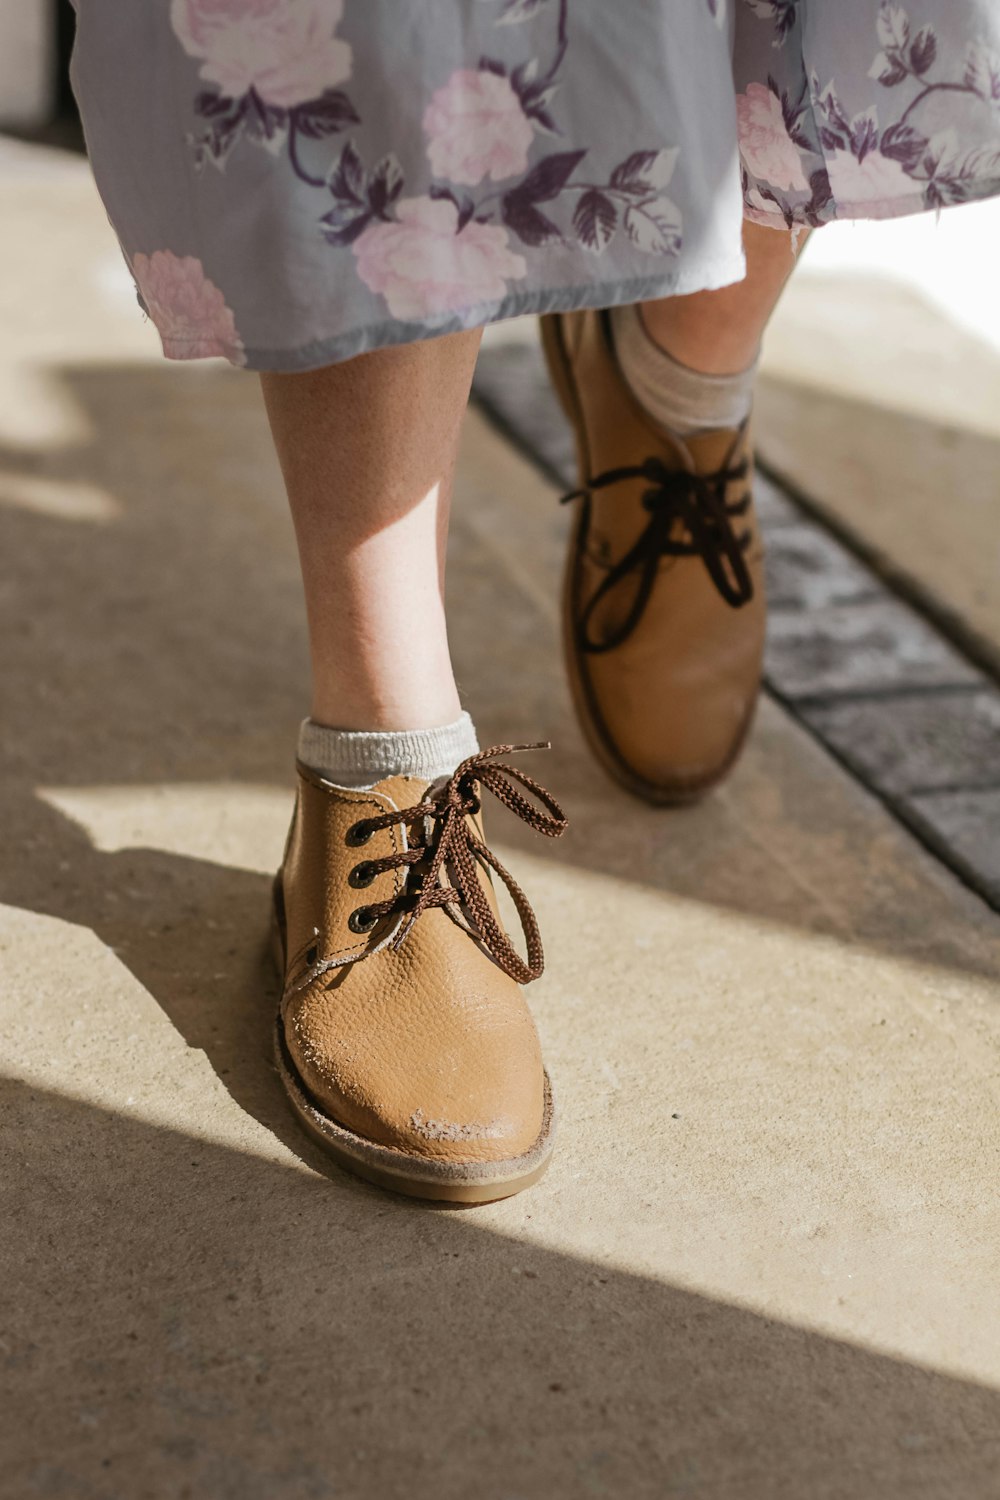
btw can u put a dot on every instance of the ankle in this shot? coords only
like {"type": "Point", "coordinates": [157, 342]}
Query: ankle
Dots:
{"type": "Point", "coordinates": [706, 345]}
{"type": "Point", "coordinates": [679, 399]}
{"type": "Point", "coordinates": [386, 709]}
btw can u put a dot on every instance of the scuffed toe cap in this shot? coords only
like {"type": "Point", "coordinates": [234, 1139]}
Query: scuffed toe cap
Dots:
{"type": "Point", "coordinates": [476, 1095]}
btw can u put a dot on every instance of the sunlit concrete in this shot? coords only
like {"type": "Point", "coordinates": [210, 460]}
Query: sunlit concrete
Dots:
{"type": "Point", "coordinates": [881, 400]}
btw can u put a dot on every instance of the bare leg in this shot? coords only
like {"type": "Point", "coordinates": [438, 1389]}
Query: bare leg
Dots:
{"type": "Point", "coordinates": [719, 333]}
{"type": "Point", "coordinates": [368, 452]}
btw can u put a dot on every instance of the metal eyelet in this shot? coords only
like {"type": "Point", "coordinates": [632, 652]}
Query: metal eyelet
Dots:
{"type": "Point", "coordinates": [358, 833]}
{"type": "Point", "coordinates": [362, 875]}
{"type": "Point", "coordinates": [362, 920]}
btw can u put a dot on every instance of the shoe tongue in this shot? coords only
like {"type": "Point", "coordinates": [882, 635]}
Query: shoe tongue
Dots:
{"type": "Point", "coordinates": [403, 791]}
{"type": "Point", "coordinates": [710, 451]}
{"type": "Point", "coordinates": [407, 791]}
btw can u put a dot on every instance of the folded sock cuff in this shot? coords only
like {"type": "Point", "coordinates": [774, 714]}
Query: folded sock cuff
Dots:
{"type": "Point", "coordinates": [681, 399]}
{"type": "Point", "coordinates": [361, 757]}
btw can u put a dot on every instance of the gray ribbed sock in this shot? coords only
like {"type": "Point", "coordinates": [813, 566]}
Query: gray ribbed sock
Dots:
{"type": "Point", "coordinates": [360, 757]}
{"type": "Point", "coordinates": [680, 399]}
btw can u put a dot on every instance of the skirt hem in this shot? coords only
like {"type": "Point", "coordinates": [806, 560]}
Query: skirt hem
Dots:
{"type": "Point", "coordinates": [330, 351]}
{"type": "Point", "coordinates": [877, 209]}
{"type": "Point", "coordinates": [710, 276]}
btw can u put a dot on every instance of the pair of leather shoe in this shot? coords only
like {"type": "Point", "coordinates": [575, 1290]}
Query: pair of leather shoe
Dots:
{"type": "Point", "coordinates": [403, 1038]}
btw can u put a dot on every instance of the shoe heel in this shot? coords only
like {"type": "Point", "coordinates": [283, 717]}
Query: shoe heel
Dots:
{"type": "Point", "coordinates": [278, 930]}
{"type": "Point", "coordinates": [557, 360]}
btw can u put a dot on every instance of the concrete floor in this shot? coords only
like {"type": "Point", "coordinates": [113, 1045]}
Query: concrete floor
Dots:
{"type": "Point", "coordinates": [764, 1263]}
{"type": "Point", "coordinates": [891, 333]}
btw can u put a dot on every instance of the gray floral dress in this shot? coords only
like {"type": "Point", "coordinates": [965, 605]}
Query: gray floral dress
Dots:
{"type": "Point", "coordinates": [296, 181]}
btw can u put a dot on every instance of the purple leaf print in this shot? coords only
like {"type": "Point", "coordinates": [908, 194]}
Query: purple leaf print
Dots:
{"type": "Point", "coordinates": [527, 222]}
{"type": "Point", "coordinates": [360, 199]}
{"type": "Point", "coordinates": [535, 94]}
{"type": "Point", "coordinates": [888, 69]}
{"type": "Point", "coordinates": [822, 196]}
{"type": "Point", "coordinates": [892, 26]}
{"type": "Point", "coordinates": [342, 227]}
{"type": "Point", "coordinates": [900, 58]}
{"type": "Point", "coordinates": [385, 185]}
{"type": "Point", "coordinates": [792, 115]}
{"type": "Point", "coordinates": [654, 226]}
{"type": "Point", "coordinates": [263, 121]}
{"type": "Point", "coordinates": [864, 134]}
{"type": "Point", "coordinates": [347, 180]}
{"type": "Point", "coordinates": [644, 172]}
{"type": "Point", "coordinates": [465, 205]}
{"type": "Point", "coordinates": [903, 144]}
{"type": "Point", "coordinates": [783, 13]}
{"type": "Point", "coordinates": [982, 72]}
{"type": "Point", "coordinates": [359, 196]}
{"type": "Point", "coordinates": [326, 115]}
{"type": "Point", "coordinates": [211, 104]}
{"type": "Point", "coordinates": [923, 51]}
{"type": "Point", "coordinates": [630, 175]}
{"type": "Point", "coordinates": [835, 128]}
{"type": "Point", "coordinates": [549, 177]}
{"type": "Point", "coordinates": [225, 118]}
{"type": "Point", "coordinates": [984, 162]}
{"type": "Point", "coordinates": [595, 220]}
{"type": "Point", "coordinates": [543, 183]}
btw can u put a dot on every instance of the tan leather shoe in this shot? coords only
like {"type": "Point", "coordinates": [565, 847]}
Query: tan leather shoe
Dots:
{"type": "Point", "coordinates": [663, 604]}
{"type": "Point", "coordinates": [403, 1037]}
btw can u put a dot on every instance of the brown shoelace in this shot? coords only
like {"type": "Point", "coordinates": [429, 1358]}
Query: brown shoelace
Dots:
{"type": "Point", "coordinates": [443, 837]}
{"type": "Point", "coordinates": [698, 502]}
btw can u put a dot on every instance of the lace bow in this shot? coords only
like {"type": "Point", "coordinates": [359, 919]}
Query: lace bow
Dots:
{"type": "Point", "coordinates": [696, 501]}
{"type": "Point", "coordinates": [443, 839]}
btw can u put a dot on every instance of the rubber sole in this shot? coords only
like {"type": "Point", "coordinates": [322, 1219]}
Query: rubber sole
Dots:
{"type": "Point", "coordinates": [433, 1180]}
{"type": "Point", "coordinates": [675, 795]}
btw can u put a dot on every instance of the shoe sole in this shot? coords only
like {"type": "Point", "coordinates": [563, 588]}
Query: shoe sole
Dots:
{"type": "Point", "coordinates": [680, 794]}
{"type": "Point", "coordinates": [435, 1181]}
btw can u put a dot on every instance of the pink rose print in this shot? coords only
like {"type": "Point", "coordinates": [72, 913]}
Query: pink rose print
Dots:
{"type": "Point", "coordinates": [477, 128]}
{"type": "Point", "coordinates": [875, 179]}
{"type": "Point", "coordinates": [767, 149]}
{"type": "Point", "coordinates": [425, 268]}
{"type": "Point", "coordinates": [284, 49]}
{"type": "Point", "coordinates": [189, 311]}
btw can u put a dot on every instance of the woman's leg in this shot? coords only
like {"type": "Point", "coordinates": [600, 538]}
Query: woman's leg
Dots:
{"type": "Point", "coordinates": [665, 662]}
{"type": "Point", "coordinates": [368, 451]}
{"type": "Point", "coordinates": [719, 333]}
{"type": "Point", "coordinates": [404, 1040]}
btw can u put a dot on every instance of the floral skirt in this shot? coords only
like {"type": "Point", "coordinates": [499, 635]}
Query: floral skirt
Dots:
{"type": "Point", "coordinates": [296, 181]}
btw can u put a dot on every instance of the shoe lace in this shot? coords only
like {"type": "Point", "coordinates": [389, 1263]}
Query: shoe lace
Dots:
{"type": "Point", "coordinates": [443, 837]}
{"type": "Point", "coordinates": [698, 502]}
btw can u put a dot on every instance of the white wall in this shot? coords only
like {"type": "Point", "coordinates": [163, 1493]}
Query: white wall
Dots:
{"type": "Point", "coordinates": [27, 72]}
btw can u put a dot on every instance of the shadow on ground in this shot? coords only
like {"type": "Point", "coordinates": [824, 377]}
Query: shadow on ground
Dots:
{"type": "Point", "coordinates": [244, 1331]}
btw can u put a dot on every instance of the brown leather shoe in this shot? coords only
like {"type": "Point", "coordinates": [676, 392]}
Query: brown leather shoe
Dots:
{"type": "Point", "coordinates": [403, 1038]}
{"type": "Point", "coordinates": [664, 608]}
